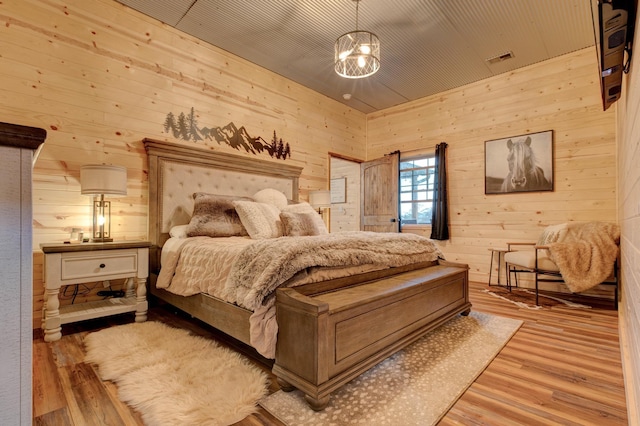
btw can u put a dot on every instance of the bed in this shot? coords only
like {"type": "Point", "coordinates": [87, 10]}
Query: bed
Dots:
{"type": "Point", "coordinates": [333, 320]}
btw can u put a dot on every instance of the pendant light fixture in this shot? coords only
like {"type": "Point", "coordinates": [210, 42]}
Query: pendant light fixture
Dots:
{"type": "Point", "coordinates": [357, 53]}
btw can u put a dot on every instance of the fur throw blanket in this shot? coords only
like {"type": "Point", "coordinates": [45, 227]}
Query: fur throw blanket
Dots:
{"type": "Point", "coordinates": [586, 254]}
{"type": "Point", "coordinates": [266, 264]}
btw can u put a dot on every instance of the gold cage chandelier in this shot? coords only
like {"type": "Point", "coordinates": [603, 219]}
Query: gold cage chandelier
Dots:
{"type": "Point", "coordinates": [357, 53]}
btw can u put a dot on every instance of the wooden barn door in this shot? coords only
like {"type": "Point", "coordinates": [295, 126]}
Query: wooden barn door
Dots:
{"type": "Point", "coordinates": [379, 194]}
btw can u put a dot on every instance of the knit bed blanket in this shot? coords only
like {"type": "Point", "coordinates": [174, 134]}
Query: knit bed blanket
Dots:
{"type": "Point", "coordinates": [587, 253]}
{"type": "Point", "coordinates": [268, 264]}
{"type": "Point", "coordinates": [257, 268]}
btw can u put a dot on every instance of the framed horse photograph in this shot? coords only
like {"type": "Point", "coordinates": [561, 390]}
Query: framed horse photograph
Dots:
{"type": "Point", "coordinates": [521, 163]}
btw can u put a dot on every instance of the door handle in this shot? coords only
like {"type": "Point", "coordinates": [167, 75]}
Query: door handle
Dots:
{"type": "Point", "coordinates": [393, 219]}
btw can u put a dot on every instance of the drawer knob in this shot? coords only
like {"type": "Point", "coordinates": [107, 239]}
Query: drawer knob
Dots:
{"type": "Point", "coordinates": [102, 265]}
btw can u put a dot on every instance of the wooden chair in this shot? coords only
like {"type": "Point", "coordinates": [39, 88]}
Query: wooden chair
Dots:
{"type": "Point", "coordinates": [534, 258]}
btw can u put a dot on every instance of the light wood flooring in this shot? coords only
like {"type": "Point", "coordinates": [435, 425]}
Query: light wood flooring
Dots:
{"type": "Point", "coordinates": [562, 367]}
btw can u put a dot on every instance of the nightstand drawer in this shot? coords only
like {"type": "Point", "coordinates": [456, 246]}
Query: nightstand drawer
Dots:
{"type": "Point", "coordinates": [96, 265]}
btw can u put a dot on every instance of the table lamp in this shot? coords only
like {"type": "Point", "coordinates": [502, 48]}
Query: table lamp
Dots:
{"type": "Point", "coordinates": [99, 180]}
{"type": "Point", "coordinates": [320, 199]}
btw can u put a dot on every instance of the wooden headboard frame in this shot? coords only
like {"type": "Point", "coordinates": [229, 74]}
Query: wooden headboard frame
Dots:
{"type": "Point", "coordinates": [177, 171]}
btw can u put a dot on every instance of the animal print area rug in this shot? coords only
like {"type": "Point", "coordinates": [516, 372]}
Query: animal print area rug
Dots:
{"type": "Point", "coordinates": [174, 378]}
{"type": "Point", "coordinates": [416, 386]}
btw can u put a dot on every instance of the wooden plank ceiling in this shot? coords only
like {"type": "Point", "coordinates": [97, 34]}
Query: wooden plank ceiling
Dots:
{"type": "Point", "coordinates": [427, 46]}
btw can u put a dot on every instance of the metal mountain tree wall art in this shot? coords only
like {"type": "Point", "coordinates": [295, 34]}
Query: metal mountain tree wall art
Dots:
{"type": "Point", "coordinates": [185, 127]}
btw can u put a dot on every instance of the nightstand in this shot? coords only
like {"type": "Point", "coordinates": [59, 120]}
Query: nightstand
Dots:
{"type": "Point", "coordinates": [501, 253]}
{"type": "Point", "coordinates": [67, 264]}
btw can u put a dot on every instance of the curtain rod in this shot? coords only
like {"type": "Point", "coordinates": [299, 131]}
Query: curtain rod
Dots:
{"type": "Point", "coordinates": [421, 150]}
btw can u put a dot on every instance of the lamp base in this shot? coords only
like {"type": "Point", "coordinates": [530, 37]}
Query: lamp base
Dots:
{"type": "Point", "coordinates": [101, 240]}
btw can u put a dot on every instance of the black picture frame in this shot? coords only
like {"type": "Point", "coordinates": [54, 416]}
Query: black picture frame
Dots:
{"type": "Point", "coordinates": [502, 177]}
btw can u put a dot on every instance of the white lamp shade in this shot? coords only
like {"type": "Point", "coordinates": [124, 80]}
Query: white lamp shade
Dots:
{"type": "Point", "coordinates": [320, 199]}
{"type": "Point", "coordinates": [97, 179]}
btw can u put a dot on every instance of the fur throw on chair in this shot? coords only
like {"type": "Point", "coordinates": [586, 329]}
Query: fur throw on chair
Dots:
{"type": "Point", "coordinates": [587, 253]}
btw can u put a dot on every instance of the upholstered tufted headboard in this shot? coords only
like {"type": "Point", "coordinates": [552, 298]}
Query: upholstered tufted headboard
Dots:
{"type": "Point", "coordinates": [177, 171]}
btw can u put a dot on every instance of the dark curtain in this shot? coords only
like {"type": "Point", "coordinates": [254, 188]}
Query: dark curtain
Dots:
{"type": "Point", "coordinates": [440, 213]}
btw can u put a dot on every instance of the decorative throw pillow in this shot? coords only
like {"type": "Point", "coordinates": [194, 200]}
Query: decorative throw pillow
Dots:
{"type": "Point", "coordinates": [305, 207]}
{"type": "Point", "coordinates": [271, 196]}
{"type": "Point", "coordinates": [299, 224]}
{"type": "Point", "coordinates": [179, 231]}
{"type": "Point", "coordinates": [260, 219]}
{"type": "Point", "coordinates": [215, 216]}
{"type": "Point", "coordinates": [552, 234]}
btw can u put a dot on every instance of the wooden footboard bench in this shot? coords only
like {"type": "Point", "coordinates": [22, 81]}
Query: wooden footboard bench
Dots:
{"type": "Point", "coordinates": [331, 332]}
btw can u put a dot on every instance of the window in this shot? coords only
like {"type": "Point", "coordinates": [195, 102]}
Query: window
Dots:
{"type": "Point", "coordinates": [417, 178]}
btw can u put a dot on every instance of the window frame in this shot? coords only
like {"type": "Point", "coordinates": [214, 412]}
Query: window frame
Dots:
{"type": "Point", "coordinates": [432, 165]}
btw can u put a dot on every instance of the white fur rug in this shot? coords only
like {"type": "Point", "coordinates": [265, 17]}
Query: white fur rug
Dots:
{"type": "Point", "coordinates": [174, 378]}
{"type": "Point", "coordinates": [416, 386]}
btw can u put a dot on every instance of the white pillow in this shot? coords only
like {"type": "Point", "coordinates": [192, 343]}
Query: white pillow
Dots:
{"type": "Point", "coordinates": [179, 231]}
{"type": "Point", "coordinates": [261, 220]}
{"type": "Point", "coordinates": [305, 207]}
{"type": "Point", "coordinates": [271, 196]}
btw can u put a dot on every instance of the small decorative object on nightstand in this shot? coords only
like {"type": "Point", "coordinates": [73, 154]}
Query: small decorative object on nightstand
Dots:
{"type": "Point", "coordinates": [67, 264]}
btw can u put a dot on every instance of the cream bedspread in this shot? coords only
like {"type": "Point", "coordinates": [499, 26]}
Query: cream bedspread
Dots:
{"type": "Point", "coordinates": [253, 269]}
{"type": "Point", "coordinates": [199, 264]}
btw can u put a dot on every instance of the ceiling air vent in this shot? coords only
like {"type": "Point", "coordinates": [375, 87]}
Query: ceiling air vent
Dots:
{"type": "Point", "coordinates": [500, 58]}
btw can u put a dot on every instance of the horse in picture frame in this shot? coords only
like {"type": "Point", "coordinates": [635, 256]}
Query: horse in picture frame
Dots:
{"type": "Point", "coordinates": [524, 172]}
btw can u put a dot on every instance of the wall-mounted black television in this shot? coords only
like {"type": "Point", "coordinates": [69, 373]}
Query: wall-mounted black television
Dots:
{"type": "Point", "coordinates": [613, 24]}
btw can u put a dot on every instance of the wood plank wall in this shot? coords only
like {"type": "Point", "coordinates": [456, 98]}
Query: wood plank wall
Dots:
{"type": "Point", "coordinates": [100, 77]}
{"type": "Point", "coordinates": [562, 95]}
{"type": "Point", "coordinates": [629, 218]}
